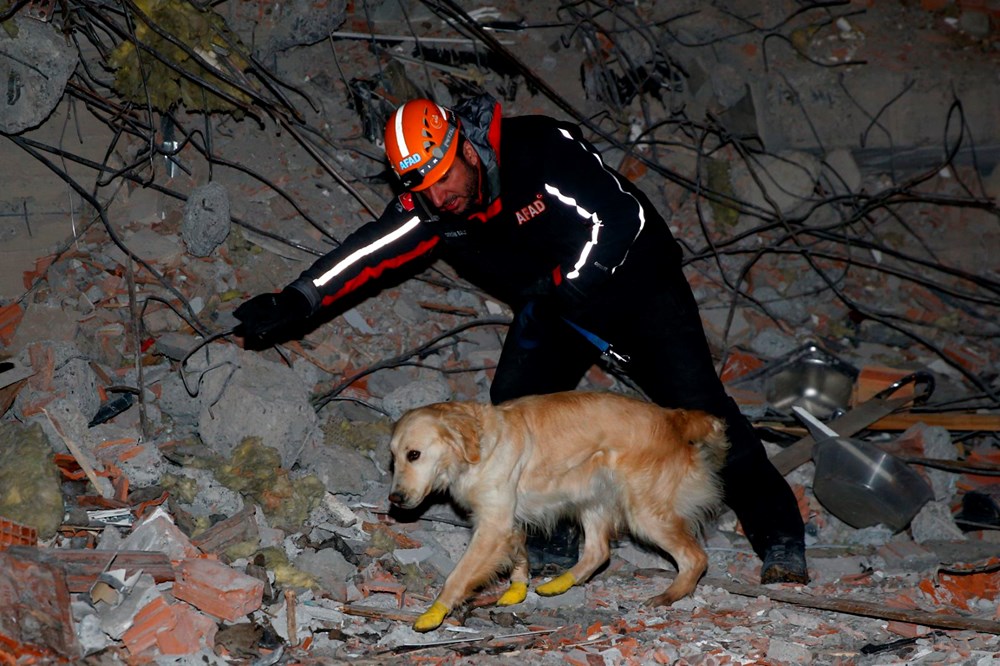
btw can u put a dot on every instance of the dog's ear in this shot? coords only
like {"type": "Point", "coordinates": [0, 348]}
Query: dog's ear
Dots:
{"type": "Point", "coordinates": [464, 421]}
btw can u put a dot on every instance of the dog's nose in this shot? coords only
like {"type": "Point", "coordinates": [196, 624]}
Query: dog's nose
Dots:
{"type": "Point", "coordinates": [397, 498]}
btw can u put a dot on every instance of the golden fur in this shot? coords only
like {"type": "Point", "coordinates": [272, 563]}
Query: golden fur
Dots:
{"type": "Point", "coordinates": [612, 462]}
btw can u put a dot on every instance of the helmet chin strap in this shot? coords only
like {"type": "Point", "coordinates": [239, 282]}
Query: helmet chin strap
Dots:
{"type": "Point", "coordinates": [479, 183]}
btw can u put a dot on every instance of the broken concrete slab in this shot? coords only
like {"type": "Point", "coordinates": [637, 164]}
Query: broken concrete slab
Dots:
{"type": "Point", "coordinates": [157, 533]}
{"type": "Point", "coordinates": [935, 522]}
{"type": "Point", "coordinates": [782, 183]}
{"type": "Point", "coordinates": [416, 394]}
{"type": "Point", "coordinates": [342, 469]}
{"type": "Point", "coordinates": [261, 399]}
{"type": "Point", "coordinates": [330, 570]}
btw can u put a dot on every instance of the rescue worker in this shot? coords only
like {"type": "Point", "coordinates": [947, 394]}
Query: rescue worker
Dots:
{"type": "Point", "coordinates": [525, 208]}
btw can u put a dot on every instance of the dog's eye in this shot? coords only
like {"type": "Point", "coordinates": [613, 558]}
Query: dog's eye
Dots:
{"type": "Point", "coordinates": [412, 455]}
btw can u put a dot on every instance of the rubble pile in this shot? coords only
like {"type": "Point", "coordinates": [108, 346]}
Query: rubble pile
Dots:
{"type": "Point", "coordinates": [167, 496]}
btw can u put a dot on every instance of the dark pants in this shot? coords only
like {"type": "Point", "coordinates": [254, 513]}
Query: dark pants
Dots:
{"type": "Point", "coordinates": [650, 314]}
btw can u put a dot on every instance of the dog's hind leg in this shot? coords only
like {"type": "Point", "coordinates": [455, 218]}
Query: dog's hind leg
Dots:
{"type": "Point", "coordinates": [597, 528]}
{"type": "Point", "coordinates": [672, 535]}
{"type": "Point", "coordinates": [518, 590]}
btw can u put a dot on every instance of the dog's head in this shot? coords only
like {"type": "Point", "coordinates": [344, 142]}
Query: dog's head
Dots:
{"type": "Point", "coordinates": [429, 446]}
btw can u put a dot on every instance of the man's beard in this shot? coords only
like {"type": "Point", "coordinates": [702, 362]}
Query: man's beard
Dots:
{"type": "Point", "coordinates": [473, 193]}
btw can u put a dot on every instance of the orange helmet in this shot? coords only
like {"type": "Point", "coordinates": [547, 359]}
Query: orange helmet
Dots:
{"type": "Point", "coordinates": [420, 141]}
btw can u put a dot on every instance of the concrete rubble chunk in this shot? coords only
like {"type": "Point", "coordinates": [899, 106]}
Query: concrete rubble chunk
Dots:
{"type": "Point", "coordinates": [786, 181]}
{"type": "Point", "coordinates": [261, 399]}
{"type": "Point", "coordinates": [297, 23]}
{"type": "Point", "coordinates": [415, 394]}
{"type": "Point", "coordinates": [935, 522]}
{"type": "Point", "coordinates": [342, 469]}
{"type": "Point", "coordinates": [784, 652]}
{"type": "Point", "coordinates": [89, 632]}
{"type": "Point", "coordinates": [37, 63]}
{"type": "Point", "coordinates": [206, 219]}
{"type": "Point", "coordinates": [200, 493]}
{"type": "Point", "coordinates": [329, 569]}
{"type": "Point", "coordinates": [158, 533]}
{"type": "Point", "coordinates": [840, 173]}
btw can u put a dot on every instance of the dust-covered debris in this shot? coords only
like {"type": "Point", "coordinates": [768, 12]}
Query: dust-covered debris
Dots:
{"type": "Point", "coordinates": [236, 512]}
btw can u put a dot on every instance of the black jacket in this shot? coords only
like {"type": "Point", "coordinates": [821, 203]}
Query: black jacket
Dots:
{"type": "Point", "coordinates": [558, 220]}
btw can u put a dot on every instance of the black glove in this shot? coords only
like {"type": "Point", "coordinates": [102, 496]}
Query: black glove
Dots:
{"type": "Point", "coordinates": [263, 316]}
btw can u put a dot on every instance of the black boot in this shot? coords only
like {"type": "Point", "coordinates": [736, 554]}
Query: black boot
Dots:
{"type": "Point", "coordinates": [552, 553]}
{"type": "Point", "coordinates": [785, 562]}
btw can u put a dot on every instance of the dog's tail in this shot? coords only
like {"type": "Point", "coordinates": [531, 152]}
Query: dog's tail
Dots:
{"type": "Point", "coordinates": [699, 496]}
{"type": "Point", "coordinates": [708, 433]}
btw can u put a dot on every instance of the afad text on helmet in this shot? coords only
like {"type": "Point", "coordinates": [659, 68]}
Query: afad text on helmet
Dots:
{"type": "Point", "coordinates": [407, 162]}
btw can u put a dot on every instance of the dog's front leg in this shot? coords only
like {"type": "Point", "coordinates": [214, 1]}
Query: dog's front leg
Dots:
{"type": "Point", "coordinates": [489, 548]}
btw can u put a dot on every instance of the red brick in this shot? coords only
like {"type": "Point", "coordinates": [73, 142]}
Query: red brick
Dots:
{"type": "Point", "coordinates": [192, 631]}
{"type": "Point", "coordinates": [10, 317]}
{"type": "Point", "coordinates": [217, 589]}
{"type": "Point", "coordinates": [970, 359]}
{"type": "Point", "coordinates": [875, 378]}
{"type": "Point", "coordinates": [907, 630]}
{"type": "Point", "coordinates": [738, 364]}
{"type": "Point", "coordinates": [155, 617]}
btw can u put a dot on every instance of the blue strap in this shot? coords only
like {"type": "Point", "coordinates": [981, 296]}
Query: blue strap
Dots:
{"type": "Point", "coordinates": [607, 353]}
{"type": "Point", "coordinates": [596, 341]}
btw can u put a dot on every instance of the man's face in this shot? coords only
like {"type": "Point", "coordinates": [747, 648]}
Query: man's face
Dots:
{"type": "Point", "coordinates": [458, 189]}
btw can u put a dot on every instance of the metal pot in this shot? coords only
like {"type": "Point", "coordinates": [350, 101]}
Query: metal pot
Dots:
{"type": "Point", "coordinates": [863, 485]}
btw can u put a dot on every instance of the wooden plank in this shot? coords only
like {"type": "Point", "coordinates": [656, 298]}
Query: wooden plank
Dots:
{"type": "Point", "coordinates": [850, 423]}
{"type": "Point", "coordinates": [857, 607]}
{"type": "Point", "coordinates": [964, 421]}
{"type": "Point", "coordinates": [100, 483]}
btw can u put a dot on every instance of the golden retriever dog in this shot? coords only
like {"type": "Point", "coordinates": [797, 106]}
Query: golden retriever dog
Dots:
{"type": "Point", "coordinates": [610, 461]}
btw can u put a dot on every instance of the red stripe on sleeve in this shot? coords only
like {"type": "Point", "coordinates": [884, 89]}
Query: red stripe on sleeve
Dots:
{"type": "Point", "coordinates": [373, 272]}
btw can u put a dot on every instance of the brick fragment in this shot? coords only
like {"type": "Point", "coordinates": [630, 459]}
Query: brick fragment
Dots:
{"type": "Point", "coordinates": [155, 617]}
{"type": "Point", "coordinates": [874, 378]}
{"type": "Point", "coordinates": [906, 630]}
{"type": "Point", "coordinates": [35, 609]}
{"type": "Point", "coordinates": [10, 317]}
{"type": "Point", "coordinates": [192, 632]}
{"type": "Point", "coordinates": [217, 589]}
